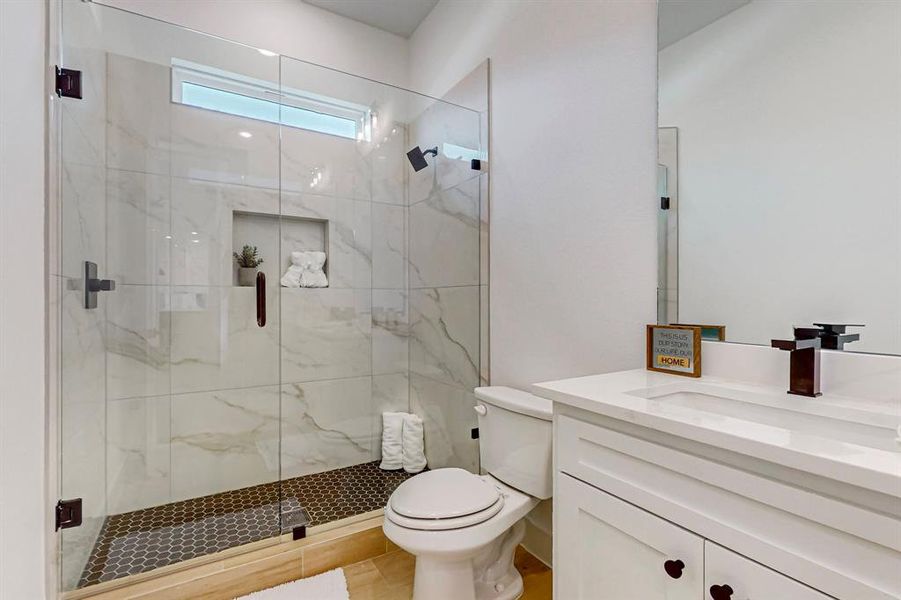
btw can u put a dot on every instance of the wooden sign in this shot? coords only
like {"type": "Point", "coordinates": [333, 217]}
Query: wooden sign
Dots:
{"type": "Point", "coordinates": [675, 349]}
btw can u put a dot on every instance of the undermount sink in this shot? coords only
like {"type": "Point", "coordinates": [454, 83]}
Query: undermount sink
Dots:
{"type": "Point", "coordinates": [818, 417]}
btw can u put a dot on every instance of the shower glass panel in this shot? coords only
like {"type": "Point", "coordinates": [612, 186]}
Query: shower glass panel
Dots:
{"type": "Point", "coordinates": [201, 410]}
{"type": "Point", "coordinates": [170, 388]}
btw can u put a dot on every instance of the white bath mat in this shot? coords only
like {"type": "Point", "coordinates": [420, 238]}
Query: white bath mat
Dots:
{"type": "Point", "coordinates": [328, 586]}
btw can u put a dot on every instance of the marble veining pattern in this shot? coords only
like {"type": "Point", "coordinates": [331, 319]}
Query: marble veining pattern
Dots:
{"type": "Point", "coordinates": [83, 218]}
{"type": "Point", "coordinates": [137, 225]}
{"type": "Point", "coordinates": [444, 335]}
{"type": "Point", "coordinates": [390, 331]}
{"type": "Point", "coordinates": [202, 222]}
{"type": "Point", "coordinates": [138, 122]}
{"type": "Point", "coordinates": [138, 459]}
{"type": "Point", "coordinates": [326, 425]}
{"type": "Point", "coordinates": [444, 237]}
{"type": "Point", "coordinates": [83, 122]}
{"type": "Point", "coordinates": [137, 341]}
{"type": "Point", "coordinates": [389, 252]}
{"type": "Point", "coordinates": [222, 440]}
{"type": "Point", "coordinates": [326, 334]}
{"type": "Point", "coordinates": [216, 342]}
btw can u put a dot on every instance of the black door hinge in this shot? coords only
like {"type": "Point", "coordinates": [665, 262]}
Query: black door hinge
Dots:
{"type": "Point", "coordinates": [68, 513]}
{"type": "Point", "coordinates": [68, 83]}
{"type": "Point", "coordinates": [474, 433]}
{"type": "Point", "coordinates": [664, 203]}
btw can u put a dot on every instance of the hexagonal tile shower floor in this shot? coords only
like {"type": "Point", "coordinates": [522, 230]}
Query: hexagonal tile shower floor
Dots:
{"type": "Point", "coordinates": [147, 539]}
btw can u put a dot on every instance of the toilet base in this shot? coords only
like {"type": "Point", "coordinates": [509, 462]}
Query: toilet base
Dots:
{"type": "Point", "coordinates": [489, 575]}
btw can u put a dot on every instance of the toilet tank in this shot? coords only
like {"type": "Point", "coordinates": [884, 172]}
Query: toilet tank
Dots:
{"type": "Point", "coordinates": [515, 438]}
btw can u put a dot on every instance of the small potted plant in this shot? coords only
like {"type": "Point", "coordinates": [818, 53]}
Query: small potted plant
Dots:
{"type": "Point", "coordinates": [248, 261]}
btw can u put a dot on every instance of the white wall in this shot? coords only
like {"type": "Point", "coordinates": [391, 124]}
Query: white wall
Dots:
{"type": "Point", "coordinates": [790, 169]}
{"type": "Point", "coordinates": [573, 145]}
{"type": "Point", "coordinates": [24, 506]}
{"type": "Point", "coordinates": [290, 27]}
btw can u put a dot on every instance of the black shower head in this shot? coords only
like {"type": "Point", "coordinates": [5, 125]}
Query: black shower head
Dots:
{"type": "Point", "coordinates": [417, 157]}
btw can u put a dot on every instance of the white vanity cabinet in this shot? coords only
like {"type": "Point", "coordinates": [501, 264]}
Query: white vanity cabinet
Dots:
{"type": "Point", "coordinates": [630, 500]}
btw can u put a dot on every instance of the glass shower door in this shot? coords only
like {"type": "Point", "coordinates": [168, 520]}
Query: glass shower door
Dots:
{"type": "Point", "coordinates": [169, 405]}
{"type": "Point", "coordinates": [204, 407]}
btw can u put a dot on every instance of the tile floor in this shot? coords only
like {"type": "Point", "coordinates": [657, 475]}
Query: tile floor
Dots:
{"type": "Point", "coordinates": [390, 577]}
{"type": "Point", "coordinates": [144, 540]}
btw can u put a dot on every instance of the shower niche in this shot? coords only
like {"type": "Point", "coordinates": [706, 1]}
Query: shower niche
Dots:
{"type": "Point", "coordinates": [275, 238]}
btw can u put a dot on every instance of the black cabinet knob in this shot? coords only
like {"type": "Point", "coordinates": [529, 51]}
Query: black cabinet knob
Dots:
{"type": "Point", "coordinates": [674, 568]}
{"type": "Point", "coordinates": [721, 592]}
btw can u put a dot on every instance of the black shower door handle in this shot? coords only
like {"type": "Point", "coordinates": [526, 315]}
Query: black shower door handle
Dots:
{"type": "Point", "coordinates": [261, 299]}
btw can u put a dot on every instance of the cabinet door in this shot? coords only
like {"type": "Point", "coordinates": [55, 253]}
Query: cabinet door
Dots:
{"type": "Point", "coordinates": [731, 576]}
{"type": "Point", "coordinates": [608, 549]}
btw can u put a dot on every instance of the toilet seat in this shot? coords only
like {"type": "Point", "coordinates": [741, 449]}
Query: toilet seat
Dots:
{"type": "Point", "coordinates": [444, 499]}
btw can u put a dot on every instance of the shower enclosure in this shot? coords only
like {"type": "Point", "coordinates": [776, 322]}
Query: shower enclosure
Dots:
{"type": "Point", "coordinates": [197, 414]}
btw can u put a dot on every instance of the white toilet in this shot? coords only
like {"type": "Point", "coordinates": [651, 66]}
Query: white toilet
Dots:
{"type": "Point", "coordinates": [464, 528]}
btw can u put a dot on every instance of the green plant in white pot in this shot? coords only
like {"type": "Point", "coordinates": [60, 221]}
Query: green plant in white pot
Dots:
{"type": "Point", "coordinates": [248, 261]}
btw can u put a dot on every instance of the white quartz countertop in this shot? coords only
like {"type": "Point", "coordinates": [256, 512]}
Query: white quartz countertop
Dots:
{"type": "Point", "coordinates": [844, 439]}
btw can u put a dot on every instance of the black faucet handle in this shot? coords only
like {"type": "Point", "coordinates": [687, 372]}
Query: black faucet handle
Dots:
{"type": "Point", "coordinates": [807, 333]}
{"type": "Point", "coordinates": [837, 328]}
{"type": "Point", "coordinates": [834, 336]}
{"type": "Point", "coordinates": [797, 344]}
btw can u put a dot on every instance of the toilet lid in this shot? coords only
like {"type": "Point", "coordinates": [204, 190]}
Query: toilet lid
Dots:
{"type": "Point", "coordinates": [445, 524]}
{"type": "Point", "coordinates": [443, 494]}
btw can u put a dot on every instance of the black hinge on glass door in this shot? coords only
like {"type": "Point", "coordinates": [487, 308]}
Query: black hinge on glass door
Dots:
{"type": "Point", "coordinates": [68, 83]}
{"type": "Point", "coordinates": [664, 202]}
{"type": "Point", "coordinates": [68, 513]}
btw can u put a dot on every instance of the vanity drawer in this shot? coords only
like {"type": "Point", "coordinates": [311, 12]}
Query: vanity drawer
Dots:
{"type": "Point", "coordinates": [832, 545]}
{"type": "Point", "coordinates": [618, 551]}
{"type": "Point", "coordinates": [749, 580]}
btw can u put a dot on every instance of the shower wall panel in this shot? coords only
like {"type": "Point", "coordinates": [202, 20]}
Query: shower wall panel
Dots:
{"type": "Point", "coordinates": [448, 273]}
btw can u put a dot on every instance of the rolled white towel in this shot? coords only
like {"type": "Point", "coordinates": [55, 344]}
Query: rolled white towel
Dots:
{"type": "Point", "coordinates": [392, 441]}
{"type": "Point", "coordinates": [414, 447]}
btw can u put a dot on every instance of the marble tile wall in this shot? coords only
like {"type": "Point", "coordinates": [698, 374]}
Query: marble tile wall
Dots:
{"type": "Point", "coordinates": [326, 425]}
{"type": "Point", "coordinates": [197, 394]}
{"type": "Point", "coordinates": [390, 276]}
{"type": "Point", "coordinates": [448, 273]}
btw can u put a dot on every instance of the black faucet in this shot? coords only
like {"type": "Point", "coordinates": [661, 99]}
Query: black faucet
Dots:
{"type": "Point", "coordinates": [805, 361]}
{"type": "Point", "coordinates": [833, 336]}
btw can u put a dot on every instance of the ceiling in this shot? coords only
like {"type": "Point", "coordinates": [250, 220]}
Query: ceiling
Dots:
{"type": "Point", "coordinates": [400, 17]}
{"type": "Point", "coordinates": [680, 18]}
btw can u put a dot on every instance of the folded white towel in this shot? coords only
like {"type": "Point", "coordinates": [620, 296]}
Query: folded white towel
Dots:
{"type": "Point", "coordinates": [414, 447]}
{"type": "Point", "coordinates": [306, 270]}
{"type": "Point", "coordinates": [392, 441]}
{"type": "Point", "coordinates": [313, 276]}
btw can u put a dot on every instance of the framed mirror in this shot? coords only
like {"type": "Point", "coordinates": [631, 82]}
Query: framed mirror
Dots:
{"type": "Point", "coordinates": [779, 167]}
